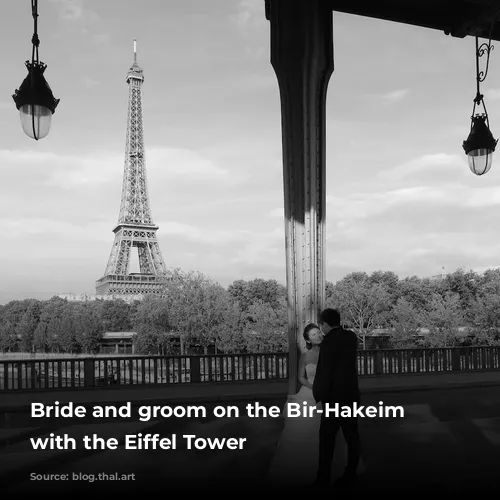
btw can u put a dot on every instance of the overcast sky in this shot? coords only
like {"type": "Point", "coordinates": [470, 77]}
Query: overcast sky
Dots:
{"type": "Point", "coordinates": [400, 194]}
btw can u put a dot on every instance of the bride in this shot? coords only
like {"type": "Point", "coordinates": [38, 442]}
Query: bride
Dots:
{"type": "Point", "coordinates": [296, 458]}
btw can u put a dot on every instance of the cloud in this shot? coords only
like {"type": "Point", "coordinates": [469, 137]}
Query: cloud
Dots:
{"type": "Point", "coordinates": [102, 168]}
{"type": "Point", "coordinates": [348, 209]}
{"type": "Point", "coordinates": [257, 52]}
{"type": "Point", "coordinates": [71, 197]}
{"type": "Point", "coordinates": [73, 13]}
{"type": "Point", "coordinates": [71, 10]}
{"type": "Point", "coordinates": [70, 172]}
{"type": "Point", "coordinates": [256, 81]}
{"type": "Point", "coordinates": [189, 166]}
{"type": "Point", "coordinates": [251, 24]}
{"type": "Point", "coordinates": [389, 97]}
{"type": "Point", "coordinates": [492, 94]}
{"type": "Point", "coordinates": [101, 38]}
{"type": "Point", "coordinates": [392, 225]}
{"type": "Point", "coordinates": [426, 167]}
{"type": "Point", "coordinates": [90, 82]}
{"type": "Point", "coordinates": [481, 198]}
{"type": "Point", "coordinates": [395, 95]}
{"type": "Point", "coordinates": [21, 228]}
{"type": "Point", "coordinates": [411, 224]}
{"type": "Point", "coordinates": [232, 252]}
{"type": "Point", "coordinates": [257, 251]}
{"type": "Point", "coordinates": [206, 235]}
{"type": "Point", "coordinates": [352, 207]}
{"type": "Point", "coordinates": [250, 16]}
{"type": "Point", "coordinates": [214, 236]}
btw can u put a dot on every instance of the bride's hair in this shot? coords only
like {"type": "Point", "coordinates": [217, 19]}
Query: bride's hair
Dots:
{"type": "Point", "coordinates": [307, 329]}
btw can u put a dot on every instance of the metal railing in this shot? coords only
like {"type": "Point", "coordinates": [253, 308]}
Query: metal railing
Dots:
{"type": "Point", "coordinates": [69, 373]}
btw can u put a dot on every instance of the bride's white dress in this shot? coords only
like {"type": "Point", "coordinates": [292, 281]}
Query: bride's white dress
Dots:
{"type": "Point", "coordinates": [296, 457]}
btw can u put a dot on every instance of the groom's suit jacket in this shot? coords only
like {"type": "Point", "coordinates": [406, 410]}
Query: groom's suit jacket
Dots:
{"type": "Point", "coordinates": [336, 379]}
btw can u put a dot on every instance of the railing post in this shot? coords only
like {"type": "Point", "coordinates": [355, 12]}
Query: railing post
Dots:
{"type": "Point", "coordinates": [379, 363]}
{"type": "Point", "coordinates": [88, 373]}
{"type": "Point", "coordinates": [455, 359]}
{"type": "Point", "coordinates": [194, 367]}
{"type": "Point", "coordinates": [244, 364]}
{"type": "Point", "coordinates": [32, 372]}
{"type": "Point", "coordinates": [19, 368]}
{"type": "Point", "coordinates": [466, 364]}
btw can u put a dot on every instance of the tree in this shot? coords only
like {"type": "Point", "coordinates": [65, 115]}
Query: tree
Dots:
{"type": "Point", "coordinates": [152, 324]}
{"type": "Point", "coordinates": [115, 315]}
{"type": "Point", "coordinates": [329, 292]}
{"type": "Point", "coordinates": [88, 327]}
{"type": "Point", "coordinates": [229, 337]}
{"type": "Point", "coordinates": [8, 338]}
{"type": "Point", "coordinates": [362, 304]}
{"type": "Point", "coordinates": [485, 309]}
{"type": "Point", "coordinates": [417, 291]}
{"type": "Point", "coordinates": [17, 318]}
{"type": "Point", "coordinates": [25, 330]}
{"type": "Point", "coordinates": [41, 335]}
{"type": "Point", "coordinates": [388, 279]}
{"type": "Point", "coordinates": [150, 341]}
{"type": "Point", "coordinates": [66, 330]}
{"type": "Point", "coordinates": [444, 318]}
{"type": "Point", "coordinates": [405, 324]}
{"type": "Point", "coordinates": [257, 290]}
{"type": "Point", "coordinates": [466, 286]}
{"type": "Point", "coordinates": [196, 306]}
{"type": "Point", "coordinates": [265, 329]}
{"type": "Point", "coordinates": [49, 331]}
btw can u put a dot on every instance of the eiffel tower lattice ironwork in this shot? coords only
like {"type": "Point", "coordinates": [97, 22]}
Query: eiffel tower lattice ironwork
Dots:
{"type": "Point", "coordinates": [135, 228]}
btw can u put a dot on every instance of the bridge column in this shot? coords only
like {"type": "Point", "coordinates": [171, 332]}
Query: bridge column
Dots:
{"type": "Point", "coordinates": [302, 57]}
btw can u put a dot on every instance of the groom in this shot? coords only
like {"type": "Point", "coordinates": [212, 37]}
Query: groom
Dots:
{"type": "Point", "coordinates": [336, 381]}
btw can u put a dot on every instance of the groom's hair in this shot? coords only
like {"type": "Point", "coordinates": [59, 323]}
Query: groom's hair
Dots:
{"type": "Point", "coordinates": [331, 317]}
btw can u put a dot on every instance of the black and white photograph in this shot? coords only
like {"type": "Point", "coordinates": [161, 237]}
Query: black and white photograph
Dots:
{"type": "Point", "coordinates": [250, 247]}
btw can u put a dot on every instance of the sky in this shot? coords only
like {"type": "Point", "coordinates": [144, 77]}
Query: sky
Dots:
{"type": "Point", "coordinates": [400, 195]}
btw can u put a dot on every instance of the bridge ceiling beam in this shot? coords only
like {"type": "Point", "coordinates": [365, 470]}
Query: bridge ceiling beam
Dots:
{"type": "Point", "coordinates": [458, 18]}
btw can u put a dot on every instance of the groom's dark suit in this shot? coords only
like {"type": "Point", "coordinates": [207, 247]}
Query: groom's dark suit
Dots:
{"type": "Point", "coordinates": [336, 381]}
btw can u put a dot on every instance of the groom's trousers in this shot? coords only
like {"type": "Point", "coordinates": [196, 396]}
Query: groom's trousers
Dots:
{"type": "Point", "coordinates": [328, 429]}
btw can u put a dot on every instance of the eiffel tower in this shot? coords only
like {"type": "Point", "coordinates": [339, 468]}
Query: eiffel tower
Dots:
{"type": "Point", "coordinates": [135, 228]}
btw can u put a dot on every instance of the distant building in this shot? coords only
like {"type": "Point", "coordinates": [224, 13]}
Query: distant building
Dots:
{"type": "Point", "coordinates": [439, 277]}
{"type": "Point", "coordinates": [117, 343]}
{"type": "Point", "coordinates": [84, 297]}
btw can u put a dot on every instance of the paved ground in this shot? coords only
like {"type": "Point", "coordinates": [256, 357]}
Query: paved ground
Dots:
{"type": "Point", "coordinates": [449, 441]}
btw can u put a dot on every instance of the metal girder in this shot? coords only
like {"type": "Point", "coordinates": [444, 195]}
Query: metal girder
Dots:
{"type": "Point", "coordinates": [459, 18]}
{"type": "Point", "coordinates": [302, 57]}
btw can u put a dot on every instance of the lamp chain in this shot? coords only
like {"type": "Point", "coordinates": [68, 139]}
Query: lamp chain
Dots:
{"type": "Point", "coordinates": [34, 39]}
{"type": "Point", "coordinates": [484, 48]}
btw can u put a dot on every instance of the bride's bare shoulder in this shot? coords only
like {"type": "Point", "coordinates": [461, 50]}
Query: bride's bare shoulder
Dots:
{"type": "Point", "coordinates": [306, 357]}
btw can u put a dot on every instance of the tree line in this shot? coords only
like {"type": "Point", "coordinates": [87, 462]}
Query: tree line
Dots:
{"type": "Point", "coordinates": [461, 308]}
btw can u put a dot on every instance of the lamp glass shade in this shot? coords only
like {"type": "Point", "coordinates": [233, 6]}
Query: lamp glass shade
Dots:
{"type": "Point", "coordinates": [480, 160]}
{"type": "Point", "coordinates": [35, 120]}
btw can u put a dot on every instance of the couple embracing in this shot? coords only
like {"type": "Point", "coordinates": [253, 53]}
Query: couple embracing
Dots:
{"type": "Point", "coordinates": [311, 449]}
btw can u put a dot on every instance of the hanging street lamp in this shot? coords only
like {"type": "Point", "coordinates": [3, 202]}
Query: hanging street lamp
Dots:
{"type": "Point", "coordinates": [480, 144]}
{"type": "Point", "coordinates": [34, 99]}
